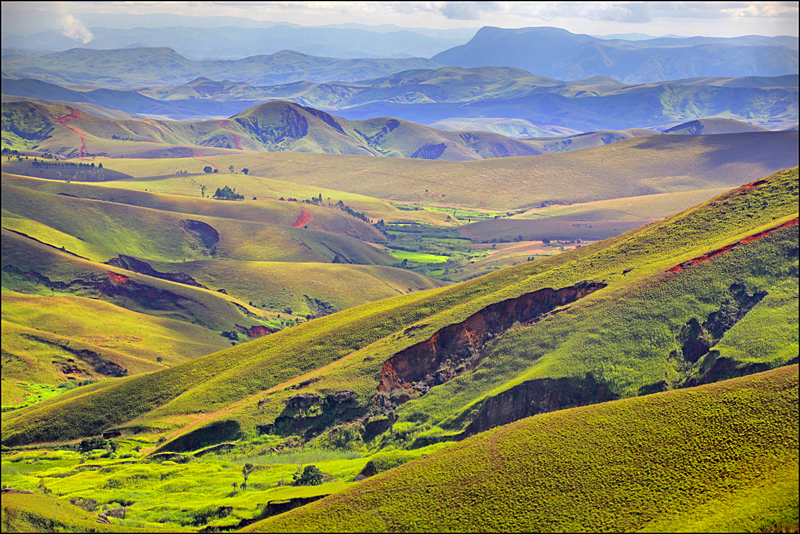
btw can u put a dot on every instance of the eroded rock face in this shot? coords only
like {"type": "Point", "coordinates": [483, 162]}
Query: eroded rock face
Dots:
{"type": "Point", "coordinates": [457, 348]}
{"type": "Point", "coordinates": [138, 266]}
{"type": "Point", "coordinates": [538, 396]}
{"type": "Point", "coordinates": [205, 236]}
{"type": "Point", "coordinates": [302, 401]}
{"type": "Point", "coordinates": [697, 339]}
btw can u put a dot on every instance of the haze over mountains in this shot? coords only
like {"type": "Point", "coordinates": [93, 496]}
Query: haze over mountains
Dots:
{"type": "Point", "coordinates": [446, 97]}
{"type": "Point", "coordinates": [561, 54]}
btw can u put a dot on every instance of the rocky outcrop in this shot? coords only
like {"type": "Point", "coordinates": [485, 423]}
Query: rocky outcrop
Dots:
{"type": "Point", "coordinates": [696, 339]}
{"type": "Point", "coordinates": [254, 331]}
{"type": "Point", "coordinates": [138, 266]}
{"type": "Point", "coordinates": [537, 396]}
{"type": "Point", "coordinates": [303, 401]}
{"type": "Point", "coordinates": [459, 347]}
{"type": "Point", "coordinates": [205, 237]}
{"type": "Point", "coordinates": [430, 151]}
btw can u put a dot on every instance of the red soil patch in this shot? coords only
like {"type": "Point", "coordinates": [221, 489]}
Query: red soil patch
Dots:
{"type": "Point", "coordinates": [74, 114]}
{"type": "Point", "coordinates": [118, 278]}
{"type": "Point", "coordinates": [714, 253]}
{"type": "Point", "coordinates": [754, 184]}
{"type": "Point", "coordinates": [303, 219]}
{"type": "Point", "coordinates": [236, 138]}
{"type": "Point", "coordinates": [255, 331]}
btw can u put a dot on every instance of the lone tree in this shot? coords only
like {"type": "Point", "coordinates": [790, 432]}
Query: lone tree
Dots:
{"type": "Point", "coordinates": [311, 476]}
{"type": "Point", "coordinates": [246, 470]}
{"type": "Point", "coordinates": [230, 168]}
{"type": "Point", "coordinates": [207, 169]}
{"type": "Point", "coordinates": [245, 171]}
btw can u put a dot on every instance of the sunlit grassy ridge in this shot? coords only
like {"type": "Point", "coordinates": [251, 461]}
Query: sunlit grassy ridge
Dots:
{"type": "Point", "coordinates": [216, 381]}
{"type": "Point", "coordinates": [188, 199]}
{"type": "Point", "coordinates": [206, 308]}
{"type": "Point", "coordinates": [43, 333]}
{"type": "Point", "coordinates": [158, 234]}
{"type": "Point", "coordinates": [305, 288]}
{"type": "Point", "coordinates": [680, 460]}
{"type": "Point", "coordinates": [634, 167]}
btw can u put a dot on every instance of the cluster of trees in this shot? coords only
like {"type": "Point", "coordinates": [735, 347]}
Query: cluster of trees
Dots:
{"type": "Point", "coordinates": [90, 444]}
{"type": "Point", "coordinates": [357, 214]}
{"type": "Point", "coordinates": [226, 193]}
{"type": "Point", "coordinates": [79, 166]}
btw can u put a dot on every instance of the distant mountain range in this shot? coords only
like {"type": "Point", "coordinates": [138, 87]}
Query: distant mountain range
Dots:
{"type": "Point", "coordinates": [506, 100]}
{"type": "Point", "coordinates": [281, 126]}
{"type": "Point", "coordinates": [138, 67]}
{"type": "Point", "coordinates": [564, 55]}
{"type": "Point", "coordinates": [232, 41]}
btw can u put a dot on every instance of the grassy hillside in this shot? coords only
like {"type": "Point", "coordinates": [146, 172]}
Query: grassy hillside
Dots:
{"type": "Point", "coordinates": [348, 350]}
{"type": "Point", "coordinates": [39, 513]}
{"type": "Point", "coordinates": [633, 167]}
{"type": "Point", "coordinates": [270, 127]}
{"type": "Point", "coordinates": [107, 228]}
{"type": "Point", "coordinates": [678, 461]}
{"type": "Point", "coordinates": [712, 126]}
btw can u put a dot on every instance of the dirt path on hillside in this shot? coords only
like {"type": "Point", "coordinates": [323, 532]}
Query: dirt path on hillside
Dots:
{"type": "Point", "coordinates": [74, 114]}
{"type": "Point", "coordinates": [303, 219]}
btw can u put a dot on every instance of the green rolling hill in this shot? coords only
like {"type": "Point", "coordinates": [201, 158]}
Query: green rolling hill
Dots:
{"type": "Point", "coordinates": [378, 350]}
{"type": "Point", "coordinates": [689, 460]}
{"type": "Point", "coordinates": [630, 343]}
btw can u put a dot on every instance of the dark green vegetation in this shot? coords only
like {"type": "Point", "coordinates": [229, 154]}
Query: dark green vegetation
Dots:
{"type": "Point", "coordinates": [690, 460]}
{"type": "Point", "coordinates": [583, 56]}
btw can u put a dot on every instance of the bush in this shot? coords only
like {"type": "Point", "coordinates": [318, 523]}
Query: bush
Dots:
{"type": "Point", "coordinates": [311, 476]}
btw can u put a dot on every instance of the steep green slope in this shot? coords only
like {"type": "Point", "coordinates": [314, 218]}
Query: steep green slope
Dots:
{"type": "Point", "coordinates": [371, 350]}
{"type": "Point", "coordinates": [685, 460]}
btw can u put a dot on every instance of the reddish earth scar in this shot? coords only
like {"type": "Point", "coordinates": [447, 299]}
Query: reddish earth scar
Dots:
{"type": "Point", "coordinates": [719, 251]}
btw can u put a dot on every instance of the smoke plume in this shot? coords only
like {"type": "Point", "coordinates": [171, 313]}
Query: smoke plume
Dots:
{"type": "Point", "coordinates": [74, 29]}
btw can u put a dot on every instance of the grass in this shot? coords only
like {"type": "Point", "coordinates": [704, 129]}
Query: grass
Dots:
{"type": "Point", "coordinates": [418, 257]}
{"type": "Point", "coordinates": [634, 167]}
{"type": "Point", "coordinates": [158, 234]}
{"type": "Point", "coordinates": [372, 332]}
{"type": "Point", "coordinates": [201, 488]}
{"type": "Point", "coordinates": [596, 468]}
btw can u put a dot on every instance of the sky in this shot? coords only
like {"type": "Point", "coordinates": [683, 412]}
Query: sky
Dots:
{"type": "Point", "coordinates": [713, 19]}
